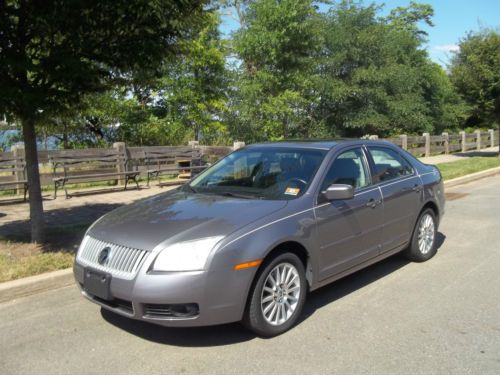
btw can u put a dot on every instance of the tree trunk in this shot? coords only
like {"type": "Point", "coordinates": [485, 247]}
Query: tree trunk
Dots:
{"type": "Point", "coordinates": [65, 136]}
{"type": "Point", "coordinates": [285, 128]}
{"type": "Point", "coordinates": [35, 193]}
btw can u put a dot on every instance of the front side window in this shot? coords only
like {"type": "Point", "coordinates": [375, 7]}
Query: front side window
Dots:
{"type": "Point", "coordinates": [264, 172]}
{"type": "Point", "coordinates": [389, 164]}
{"type": "Point", "coordinates": [348, 168]}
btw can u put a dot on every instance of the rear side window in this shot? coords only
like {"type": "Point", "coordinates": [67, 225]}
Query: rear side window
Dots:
{"type": "Point", "coordinates": [389, 164]}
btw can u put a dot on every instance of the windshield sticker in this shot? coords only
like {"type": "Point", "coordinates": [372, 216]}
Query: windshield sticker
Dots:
{"type": "Point", "coordinates": [292, 191]}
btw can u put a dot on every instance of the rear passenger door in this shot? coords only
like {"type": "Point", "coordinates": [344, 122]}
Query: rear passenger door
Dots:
{"type": "Point", "coordinates": [401, 192]}
{"type": "Point", "coordinates": [349, 231]}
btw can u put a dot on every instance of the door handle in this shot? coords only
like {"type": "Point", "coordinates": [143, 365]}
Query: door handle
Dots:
{"type": "Point", "coordinates": [372, 203]}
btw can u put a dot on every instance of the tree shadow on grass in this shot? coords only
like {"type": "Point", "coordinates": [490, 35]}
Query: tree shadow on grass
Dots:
{"type": "Point", "coordinates": [234, 333]}
{"type": "Point", "coordinates": [65, 227]}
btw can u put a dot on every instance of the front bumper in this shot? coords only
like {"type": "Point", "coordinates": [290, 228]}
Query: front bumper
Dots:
{"type": "Point", "coordinates": [220, 296]}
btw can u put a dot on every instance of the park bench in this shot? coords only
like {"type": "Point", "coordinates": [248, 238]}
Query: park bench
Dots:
{"type": "Point", "coordinates": [13, 173]}
{"type": "Point", "coordinates": [78, 167]}
{"type": "Point", "coordinates": [182, 162]}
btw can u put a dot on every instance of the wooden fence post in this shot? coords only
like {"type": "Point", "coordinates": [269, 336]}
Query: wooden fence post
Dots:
{"type": "Point", "coordinates": [427, 137]}
{"type": "Point", "coordinates": [237, 145]}
{"type": "Point", "coordinates": [492, 137]}
{"type": "Point", "coordinates": [464, 141]}
{"type": "Point", "coordinates": [18, 151]}
{"type": "Point", "coordinates": [478, 139]}
{"type": "Point", "coordinates": [404, 141]}
{"type": "Point", "coordinates": [121, 147]}
{"type": "Point", "coordinates": [446, 139]}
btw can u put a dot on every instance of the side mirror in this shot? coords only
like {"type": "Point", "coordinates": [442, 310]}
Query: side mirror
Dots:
{"type": "Point", "coordinates": [338, 192]}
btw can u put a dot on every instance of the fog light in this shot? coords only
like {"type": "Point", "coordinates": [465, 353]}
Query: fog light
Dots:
{"type": "Point", "coordinates": [187, 310]}
{"type": "Point", "coordinates": [181, 310]}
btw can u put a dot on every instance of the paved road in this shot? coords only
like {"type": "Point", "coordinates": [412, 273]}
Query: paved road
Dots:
{"type": "Point", "coordinates": [442, 316]}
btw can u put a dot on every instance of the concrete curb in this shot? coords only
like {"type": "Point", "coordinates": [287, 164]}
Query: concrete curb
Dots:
{"type": "Point", "coordinates": [53, 280]}
{"type": "Point", "coordinates": [471, 177]}
{"type": "Point", "coordinates": [35, 284]}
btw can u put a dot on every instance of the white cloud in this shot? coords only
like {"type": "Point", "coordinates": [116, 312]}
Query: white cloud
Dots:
{"type": "Point", "coordinates": [446, 48]}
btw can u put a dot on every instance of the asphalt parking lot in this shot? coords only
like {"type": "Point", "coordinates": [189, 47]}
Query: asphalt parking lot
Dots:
{"type": "Point", "coordinates": [438, 317]}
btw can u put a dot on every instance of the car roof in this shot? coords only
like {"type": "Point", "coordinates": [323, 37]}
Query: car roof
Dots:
{"type": "Point", "coordinates": [316, 144]}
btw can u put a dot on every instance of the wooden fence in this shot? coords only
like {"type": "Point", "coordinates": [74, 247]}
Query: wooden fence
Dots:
{"type": "Point", "coordinates": [137, 154]}
{"type": "Point", "coordinates": [425, 145]}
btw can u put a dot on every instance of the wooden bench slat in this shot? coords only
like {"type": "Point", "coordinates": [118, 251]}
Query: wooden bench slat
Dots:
{"type": "Point", "coordinates": [75, 177]}
{"type": "Point", "coordinates": [82, 166]}
{"type": "Point", "coordinates": [12, 167]}
{"type": "Point", "coordinates": [20, 182]}
{"type": "Point", "coordinates": [179, 169]}
{"type": "Point", "coordinates": [160, 161]}
{"type": "Point", "coordinates": [5, 170]}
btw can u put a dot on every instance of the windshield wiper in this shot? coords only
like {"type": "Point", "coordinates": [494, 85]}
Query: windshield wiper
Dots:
{"type": "Point", "coordinates": [193, 190]}
{"type": "Point", "coordinates": [236, 195]}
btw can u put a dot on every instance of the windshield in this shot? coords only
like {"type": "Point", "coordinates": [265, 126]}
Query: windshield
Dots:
{"type": "Point", "coordinates": [263, 173]}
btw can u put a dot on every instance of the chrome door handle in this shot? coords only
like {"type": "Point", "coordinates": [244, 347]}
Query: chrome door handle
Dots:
{"type": "Point", "coordinates": [417, 188]}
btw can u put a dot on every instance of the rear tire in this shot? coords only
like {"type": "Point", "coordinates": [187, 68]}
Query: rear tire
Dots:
{"type": "Point", "coordinates": [423, 242]}
{"type": "Point", "coordinates": [277, 297]}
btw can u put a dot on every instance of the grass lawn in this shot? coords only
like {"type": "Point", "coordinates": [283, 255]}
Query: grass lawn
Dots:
{"type": "Point", "coordinates": [19, 260]}
{"type": "Point", "coordinates": [460, 168]}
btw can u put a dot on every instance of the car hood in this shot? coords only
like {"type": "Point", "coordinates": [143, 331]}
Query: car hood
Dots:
{"type": "Point", "coordinates": [178, 216]}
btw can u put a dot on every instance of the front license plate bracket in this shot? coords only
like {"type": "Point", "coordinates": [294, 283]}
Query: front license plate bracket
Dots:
{"type": "Point", "coordinates": [97, 283]}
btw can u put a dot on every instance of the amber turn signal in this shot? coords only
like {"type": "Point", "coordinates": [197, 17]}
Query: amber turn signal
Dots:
{"type": "Point", "coordinates": [253, 263]}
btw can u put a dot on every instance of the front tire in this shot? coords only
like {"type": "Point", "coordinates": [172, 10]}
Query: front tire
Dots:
{"type": "Point", "coordinates": [277, 297]}
{"type": "Point", "coordinates": [423, 242]}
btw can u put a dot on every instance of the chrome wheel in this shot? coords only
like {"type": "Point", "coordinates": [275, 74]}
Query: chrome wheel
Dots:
{"type": "Point", "coordinates": [280, 294]}
{"type": "Point", "coordinates": [426, 233]}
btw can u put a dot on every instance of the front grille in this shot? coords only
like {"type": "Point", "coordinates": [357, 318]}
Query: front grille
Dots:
{"type": "Point", "coordinates": [121, 261]}
{"type": "Point", "coordinates": [186, 310]}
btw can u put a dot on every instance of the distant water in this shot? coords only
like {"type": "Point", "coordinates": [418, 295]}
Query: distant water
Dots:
{"type": "Point", "coordinates": [6, 137]}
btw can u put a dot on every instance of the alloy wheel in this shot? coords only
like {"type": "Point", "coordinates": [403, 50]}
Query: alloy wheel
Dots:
{"type": "Point", "coordinates": [426, 234]}
{"type": "Point", "coordinates": [280, 294]}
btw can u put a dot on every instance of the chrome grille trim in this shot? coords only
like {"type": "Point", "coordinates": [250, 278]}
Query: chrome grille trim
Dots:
{"type": "Point", "coordinates": [124, 261]}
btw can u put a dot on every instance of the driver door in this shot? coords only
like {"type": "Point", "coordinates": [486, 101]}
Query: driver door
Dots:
{"type": "Point", "coordinates": [349, 231]}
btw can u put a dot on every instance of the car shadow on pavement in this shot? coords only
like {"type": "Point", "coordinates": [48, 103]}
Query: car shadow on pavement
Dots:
{"type": "Point", "coordinates": [357, 280]}
{"type": "Point", "coordinates": [228, 334]}
{"type": "Point", "coordinates": [189, 337]}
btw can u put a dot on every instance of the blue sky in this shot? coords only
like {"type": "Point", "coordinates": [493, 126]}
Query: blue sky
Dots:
{"type": "Point", "coordinates": [452, 20]}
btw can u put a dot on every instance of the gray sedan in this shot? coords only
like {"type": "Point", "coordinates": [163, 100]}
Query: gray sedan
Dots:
{"type": "Point", "coordinates": [249, 237]}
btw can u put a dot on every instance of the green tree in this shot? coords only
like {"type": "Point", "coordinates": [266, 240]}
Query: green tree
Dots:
{"type": "Point", "coordinates": [54, 52]}
{"type": "Point", "coordinates": [193, 87]}
{"type": "Point", "coordinates": [346, 71]}
{"type": "Point", "coordinates": [277, 48]}
{"type": "Point", "coordinates": [375, 76]}
{"type": "Point", "coordinates": [475, 72]}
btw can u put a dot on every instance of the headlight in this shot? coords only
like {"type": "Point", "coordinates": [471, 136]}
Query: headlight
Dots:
{"type": "Point", "coordinates": [186, 256]}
